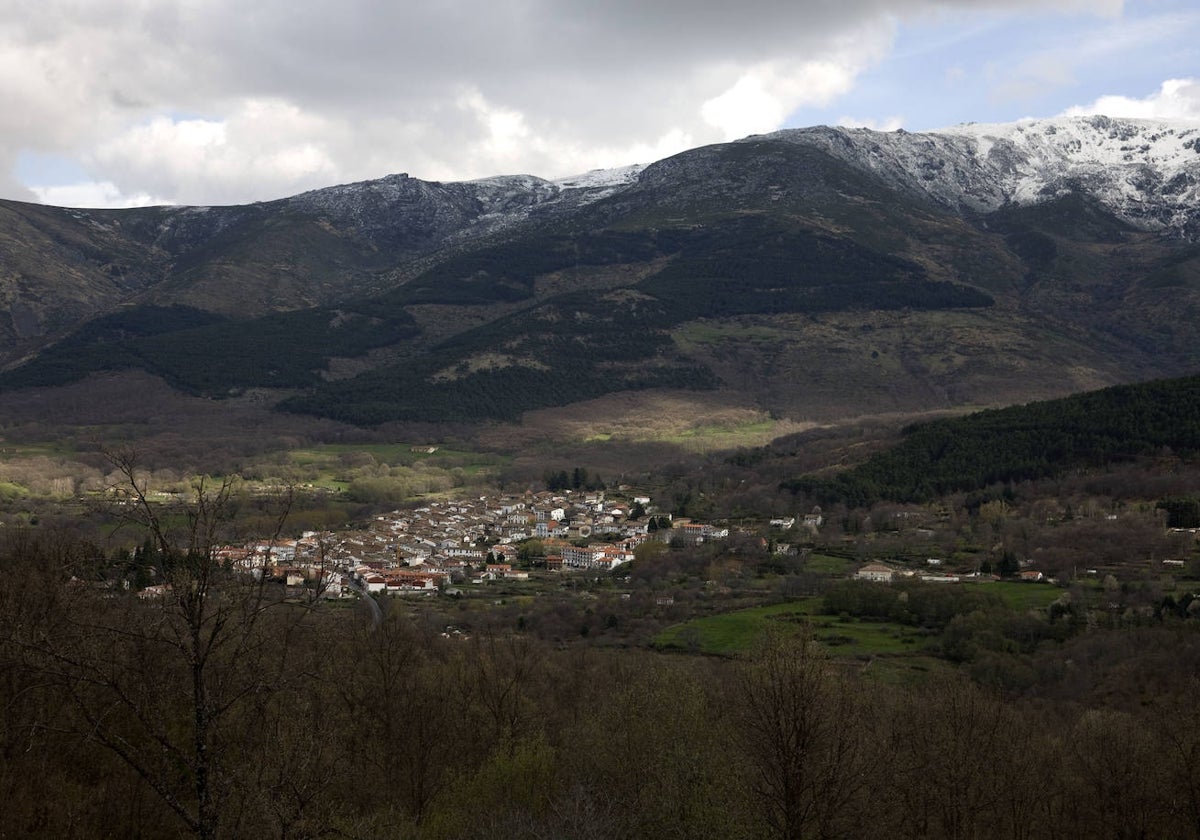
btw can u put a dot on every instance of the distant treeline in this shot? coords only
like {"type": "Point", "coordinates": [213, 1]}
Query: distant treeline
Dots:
{"type": "Point", "coordinates": [1022, 443]}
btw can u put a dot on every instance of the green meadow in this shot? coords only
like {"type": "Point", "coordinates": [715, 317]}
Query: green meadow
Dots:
{"type": "Point", "coordinates": [733, 633]}
{"type": "Point", "coordinates": [736, 632]}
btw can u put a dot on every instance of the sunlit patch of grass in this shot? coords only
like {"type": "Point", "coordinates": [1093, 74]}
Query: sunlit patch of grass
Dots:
{"type": "Point", "coordinates": [45, 449]}
{"type": "Point", "coordinates": [715, 333]}
{"type": "Point", "coordinates": [698, 423]}
{"type": "Point", "coordinates": [736, 632]}
{"type": "Point", "coordinates": [486, 362]}
{"type": "Point", "coordinates": [728, 633]}
{"type": "Point", "coordinates": [751, 431]}
{"type": "Point", "coordinates": [824, 564]}
{"type": "Point", "coordinates": [408, 471]}
{"type": "Point", "coordinates": [9, 491]}
{"type": "Point", "coordinates": [1020, 595]}
{"type": "Point", "coordinates": [396, 454]}
{"type": "Point", "coordinates": [750, 428]}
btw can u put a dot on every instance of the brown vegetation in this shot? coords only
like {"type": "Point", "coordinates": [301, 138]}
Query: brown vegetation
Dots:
{"type": "Point", "coordinates": [315, 725]}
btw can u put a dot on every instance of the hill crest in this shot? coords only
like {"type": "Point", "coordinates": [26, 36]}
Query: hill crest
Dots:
{"type": "Point", "coordinates": [810, 271]}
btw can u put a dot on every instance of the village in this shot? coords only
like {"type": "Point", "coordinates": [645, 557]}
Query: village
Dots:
{"type": "Point", "coordinates": [444, 545]}
{"type": "Point", "coordinates": [449, 546]}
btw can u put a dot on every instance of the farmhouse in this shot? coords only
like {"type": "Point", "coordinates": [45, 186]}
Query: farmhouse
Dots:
{"type": "Point", "coordinates": [876, 572]}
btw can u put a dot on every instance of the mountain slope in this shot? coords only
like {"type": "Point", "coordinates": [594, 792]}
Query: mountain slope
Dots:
{"type": "Point", "coordinates": [60, 266]}
{"type": "Point", "coordinates": [1024, 442]}
{"type": "Point", "coordinates": [812, 273]}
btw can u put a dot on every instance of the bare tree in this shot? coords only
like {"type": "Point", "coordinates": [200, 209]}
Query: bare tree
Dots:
{"type": "Point", "coordinates": [802, 733]}
{"type": "Point", "coordinates": [163, 683]}
{"type": "Point", "coordinates": [503, 669]}
{"type": "Point", "coordinates": [1116, 770]}
{"type": "Point", "coordinates": [408, 731]}
{"type": "Point", "coordinates": [958, 764]}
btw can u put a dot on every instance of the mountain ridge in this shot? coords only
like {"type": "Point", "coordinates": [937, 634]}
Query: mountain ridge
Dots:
{"type": "Point", "coordinates": [876, 271]}
{"type": "Point", "coordinates": [1126, 163]}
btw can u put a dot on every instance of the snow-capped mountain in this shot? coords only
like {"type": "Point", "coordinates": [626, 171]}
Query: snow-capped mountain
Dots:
{"type": "Point", "coordinates": [1147, 172]}
{"type": "Point", "coordinates": [812, 270]}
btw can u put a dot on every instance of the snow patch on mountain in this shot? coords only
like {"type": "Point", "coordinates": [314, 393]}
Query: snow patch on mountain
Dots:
{"type": "Point", "coordinates": [433, 211]}
{"type": "Point", "coordinates": [621, 176]}
{"type": "Point", "coordinates": [1147, 172]}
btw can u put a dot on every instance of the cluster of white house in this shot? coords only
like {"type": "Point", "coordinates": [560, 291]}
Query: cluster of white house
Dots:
{"type": "Point", "coordinates": [464, 541]}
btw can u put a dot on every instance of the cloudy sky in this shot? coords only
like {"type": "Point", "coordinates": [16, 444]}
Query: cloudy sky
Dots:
{"type": "Point", "coordinates": [120, 102]}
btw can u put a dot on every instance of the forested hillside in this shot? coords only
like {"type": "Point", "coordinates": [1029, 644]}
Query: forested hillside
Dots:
{"type": "Point", "coordinates": [1024, 442]}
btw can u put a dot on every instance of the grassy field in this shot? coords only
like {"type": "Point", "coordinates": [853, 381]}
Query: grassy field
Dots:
{"type": "Point", "coordinates": [732, 632]}
{"type": "Point", "coordinates": [1020, 596]}
{"type": "Point", "coordinates": [735, 632]}
{"type": "Point", "coordinates": [46, 449]}
{"type": "Point", "coordinates": [692, 333]}
{"type": "Point", "coordinates": [734, 429]}
{"type": "Point", "coordinates": [902, 670]}
{"type": "Point", "coordinates": [692, 422]}
{"type": "Point", "coordinates": [397, 454]}
{"type": "Point", "coordinates": [332, 466]}
{"type": "Point", "coordinates": [854, 637]}
{"type": "Point", "coordinates": [824, 564]}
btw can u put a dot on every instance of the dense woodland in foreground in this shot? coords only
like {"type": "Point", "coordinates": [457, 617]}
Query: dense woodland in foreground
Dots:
{"type": "Point", "coordinates": [229, 713]}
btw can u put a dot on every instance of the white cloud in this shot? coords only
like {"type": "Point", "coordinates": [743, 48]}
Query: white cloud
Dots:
{"type": "Point", "coordinates": [263, 149]}
{"type": "Point", "coordinates": [222, 101]}
{"type": "Point", "coordinates": [1176, 99]}
{"type": "Point", "coordinates": [746, 108]}
{"type": "Point", "coordinates": [93, 194]}
{"type": "Point", "coordinates": [765, 94]}
{"type": "Point", "coordinates": [762, 97]}
{"type": "Point", "coordinates": [891, 123]}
